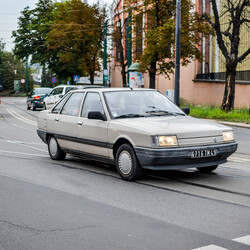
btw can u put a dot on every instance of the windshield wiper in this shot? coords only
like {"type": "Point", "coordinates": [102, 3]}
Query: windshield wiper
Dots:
{"type": "Point", "coordinates": [163, 112]}
{"type": "Point", "coordinates": [158, 112]}
{"type": "Point", "coordinates": [129, 116]}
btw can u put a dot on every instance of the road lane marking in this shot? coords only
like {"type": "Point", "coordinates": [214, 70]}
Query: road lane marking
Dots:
{"type": "Point", "coordinates": [21, 153]}
{"type": "Point", "coordinates": [24, 145]}
{"type": "Point", "coordinates": [244, 240]}
{"type": "Point", "coordinates": [21, 118]}
{"type": "Point", "coordinates": [236, 159]}
{"type": "Point", "coordinates": [3, 139]}
{"type": "Point", "coordinates": [211, 247]}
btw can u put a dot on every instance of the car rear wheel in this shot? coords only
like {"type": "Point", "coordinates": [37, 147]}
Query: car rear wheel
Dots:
{"type": "Point", "coordinates": [127, 163]}
{"type": "Point", "coordinates": [55, 151]}
{"type": "Point", "coordinates": [33, 107]}
{"type": "Point", "coordinates": [207, 169]}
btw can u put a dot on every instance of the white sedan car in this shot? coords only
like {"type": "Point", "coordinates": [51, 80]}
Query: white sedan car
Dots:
{"type": "Point", "coordinates": [135, 129]}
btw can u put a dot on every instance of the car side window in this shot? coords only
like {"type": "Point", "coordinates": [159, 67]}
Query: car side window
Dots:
{"type": "Point", "coordinates": [32, 93]}
{"type": "Point", "coordinates": [92, 103]}
{"type": "Point", "coordinates": [72, 105]}
{"type": "Point", "coordinates": [52, 93]}
{"type": "Point", "coordinates": [58, 91]}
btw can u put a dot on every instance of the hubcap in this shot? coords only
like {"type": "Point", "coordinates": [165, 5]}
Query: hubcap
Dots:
{"type": "Point", "coordinates": [53, 146]}
{"type": "Point", "coordinates": [125, 162]}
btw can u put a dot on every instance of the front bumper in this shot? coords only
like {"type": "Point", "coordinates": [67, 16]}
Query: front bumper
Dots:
{"type": "Point", "coordinates": [179, 158]}
{"type": "Point", "coordinates": [42, 134]}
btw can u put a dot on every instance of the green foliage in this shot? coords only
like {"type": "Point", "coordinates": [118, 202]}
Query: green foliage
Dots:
{"type": "Point", "coordinates": [210, 112]}
{"type": "Point", "coordinates": [65, 37]}
{"type": "Point", "coordinates": [11, 68]}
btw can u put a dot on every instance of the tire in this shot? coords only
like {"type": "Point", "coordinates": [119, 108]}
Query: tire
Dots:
{"type": "Point", "coordinates": [207, 170]}
{"type": "Point", "coordinates": [33, 107]}
{"type": "Point", "coordinates": [28, 107]}
{"type": "Point", "coordinates": [55, 151]}
{"type": "Point", "coordinates": [127, 163]}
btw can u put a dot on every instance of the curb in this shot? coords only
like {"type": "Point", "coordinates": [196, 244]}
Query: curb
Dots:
{"type": "Point", "coordinates": [234, 124]}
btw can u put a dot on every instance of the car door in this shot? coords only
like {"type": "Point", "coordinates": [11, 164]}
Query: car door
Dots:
{"type": "Point", "coordinates": [92, 133]}
{"type": "Point", "coordinates": [30, 98]}
{"type": "Point", "coordinates": [49, 99]}
{"type": "Point", "coordinates": [66, 122]}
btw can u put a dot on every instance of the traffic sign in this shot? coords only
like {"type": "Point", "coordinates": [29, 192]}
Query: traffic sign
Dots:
{"type": "Point", "coordinates": [76, 78]}
{"type": "Point", "coordinates": [53, 80]}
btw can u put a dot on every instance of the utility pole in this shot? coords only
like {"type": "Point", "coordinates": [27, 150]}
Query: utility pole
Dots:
{"type": "Point", "coordinates": [129, 45]}
{"type": "Point", "coordinates": [105, 71]}
{"type": "Point", "coordinates": [27, 77]}
{"type": "Point", "coordinates": [177, 53]}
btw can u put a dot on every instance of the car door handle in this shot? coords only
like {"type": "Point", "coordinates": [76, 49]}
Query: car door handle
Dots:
{"type": "Point", "coordinates": [57, 119]}
{"type": "Point", "coordinates": [80, 123]}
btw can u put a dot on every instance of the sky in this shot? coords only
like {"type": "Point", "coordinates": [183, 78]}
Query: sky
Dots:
{"type": "Point", "coordinates": [9, 13]}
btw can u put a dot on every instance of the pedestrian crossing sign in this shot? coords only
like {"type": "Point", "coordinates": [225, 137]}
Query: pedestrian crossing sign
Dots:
{"type": "Point", "coordinates": [76, 78]}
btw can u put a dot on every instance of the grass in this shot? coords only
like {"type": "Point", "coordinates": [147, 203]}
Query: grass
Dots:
{"type": "Point", "coordinates": [211, 112]}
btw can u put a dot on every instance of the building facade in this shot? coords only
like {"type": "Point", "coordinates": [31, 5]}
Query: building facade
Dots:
{"type": "Point", "coordinates": [201, 83]}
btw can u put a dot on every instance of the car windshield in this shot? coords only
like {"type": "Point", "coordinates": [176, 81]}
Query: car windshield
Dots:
{"type": "Point", "coordinates": [134, 103]}
{"type": "Point", "coordinates": [43, 91]}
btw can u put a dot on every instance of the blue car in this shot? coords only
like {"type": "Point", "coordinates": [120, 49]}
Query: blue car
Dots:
{"type": "Point", "coordinates": [35, 98]}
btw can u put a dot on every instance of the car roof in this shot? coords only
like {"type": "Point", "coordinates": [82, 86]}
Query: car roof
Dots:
{"type": "Point", "coordinates": [115, 89]}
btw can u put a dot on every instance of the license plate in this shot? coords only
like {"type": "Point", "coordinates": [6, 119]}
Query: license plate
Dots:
{"type": "Point", "coordinates": [203, 153]}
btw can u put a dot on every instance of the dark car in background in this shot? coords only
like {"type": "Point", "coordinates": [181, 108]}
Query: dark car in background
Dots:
{"type": "Point", "coordinates": [36, 97]}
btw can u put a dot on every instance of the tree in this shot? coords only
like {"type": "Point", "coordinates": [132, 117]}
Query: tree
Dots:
{"type": "Point", "coordinates": [11, 68]}
{"type": "Point", "coordinates": [121, 48]}
{"type": "Point", "coordinates": [237, 14]}
{"type": "Point", "coordinates": [76, 35]}
{"type": "Point", "coordinates": [158, 56]}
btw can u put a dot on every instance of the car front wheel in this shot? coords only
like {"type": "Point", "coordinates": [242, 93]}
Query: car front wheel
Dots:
{"type": "Point", "coordinates": [207, 169]}
{"type": "Point", "coordinates": [127, 163]}
{"type": "Point", "coordinates": [55, 151]}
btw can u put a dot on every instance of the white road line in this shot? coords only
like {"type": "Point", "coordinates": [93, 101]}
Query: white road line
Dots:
{"type": "Point", "coordinates": [239, 159]}
{"type": "Point", "coordinates": [20, 142]}
{"type": "Point", "coordinates": [244, 240]}
{"type": "Point", "coordinates": [211, 247]}
{"type": "Point", "coordinates": [21, 118]}
{"type": "Point", "coordinates": [21, 153]}
{"type": "Point", "coordinates": [24, 145]}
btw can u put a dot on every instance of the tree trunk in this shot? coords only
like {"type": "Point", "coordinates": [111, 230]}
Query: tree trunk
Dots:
{"type": "Point", "coordinates": [91, 78]}
{"type": "Point", "coordinates": [229, 93]}
{"type": "Point", "coordinates": [124, 81]}
{"type": "Point", "coordinates": [152, 73]}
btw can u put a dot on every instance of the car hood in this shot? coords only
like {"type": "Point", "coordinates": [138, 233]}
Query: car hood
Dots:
{"type": "Point", "coordinates": [182, 126]}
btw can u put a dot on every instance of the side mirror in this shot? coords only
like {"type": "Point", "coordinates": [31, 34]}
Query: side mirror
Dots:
{"type": "Point", "coordinates": [61, 96]}
{"type": "Point", "coordinates": [186, 110]}
{"type": "Point", "coordinates": [96, 115]}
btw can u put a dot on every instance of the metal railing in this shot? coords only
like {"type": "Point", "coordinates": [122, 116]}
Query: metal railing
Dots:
{"type": "Point", "coordinates": [240, 76]}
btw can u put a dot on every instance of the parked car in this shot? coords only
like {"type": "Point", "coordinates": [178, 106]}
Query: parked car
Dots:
{"type": "Point", "coordinates": [36, 97]}
{"type": "Point", "coordinates": [1, 88]}
{"type": "Point", "coordinates": [58, 92]}
{"type": "Point", "coordinates": [135, 129]}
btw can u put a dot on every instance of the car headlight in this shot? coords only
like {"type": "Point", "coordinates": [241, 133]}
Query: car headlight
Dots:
{"type": "Point", "coordinates": [228, 136]}
{"type": "Point", "coordinates": [163, 141]}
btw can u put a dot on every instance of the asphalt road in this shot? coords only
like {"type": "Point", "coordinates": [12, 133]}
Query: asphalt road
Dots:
{"type": "Point", "coordinates": [79, 204]}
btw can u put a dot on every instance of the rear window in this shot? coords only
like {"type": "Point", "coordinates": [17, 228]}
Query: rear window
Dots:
{"type": "Point", "coordinates": [42, 91]}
